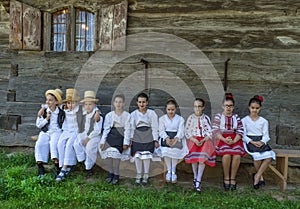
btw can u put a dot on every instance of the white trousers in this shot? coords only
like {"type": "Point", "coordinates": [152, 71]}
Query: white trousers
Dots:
{"type": "Point", "coordinates": [65, 148]}
{"type": "Point", "coordinates": [86, 153]}
{"type": "Point", "coordinates": [47, 142]}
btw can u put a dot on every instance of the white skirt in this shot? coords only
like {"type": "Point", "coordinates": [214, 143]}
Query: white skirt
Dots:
{"type": "Point", "coordinates": [174, 153]}
{"type": "Point", "coordinates": [260, 155]}
{"type": "Point", "coordinates": [112, 152]}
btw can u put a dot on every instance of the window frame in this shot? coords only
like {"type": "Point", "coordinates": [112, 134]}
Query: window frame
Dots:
{"type": "Point", "coordinates": [71, 29]}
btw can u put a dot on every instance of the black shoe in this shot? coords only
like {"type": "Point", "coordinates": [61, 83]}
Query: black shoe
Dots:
{"type": "Point", "coordinates": [226, 186]}
{"type": "Point", "coordinates": [115, 180]}
{"type": "Point", "coordinates": [89, 172]}
{"type": "Point", "coordinates": [41, 170]}
{"type": "Point", "coordinates": [110, 177]}
{"type": "Point", "coordinates": [198, 188]}
{"type": "Point", "coordinates": [262, 183]}
{"type": "Point", "coordinates": [255, 186]}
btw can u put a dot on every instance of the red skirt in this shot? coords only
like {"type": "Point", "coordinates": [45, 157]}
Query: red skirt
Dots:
{"type": "Point", "coordinates": [206, 153]}
{"type": "Point", "coordinates": [223, 148]}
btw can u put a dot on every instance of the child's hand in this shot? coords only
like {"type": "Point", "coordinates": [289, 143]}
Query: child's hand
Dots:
{"type": "Point", "coordinates": [97, 116]}
{"type": "Point", "coordinates": [85, 141]}
{"type": "Point", "coordinates": [156, 144]}
{"type": "Point", "coordinates": [41, 112]}
{"type": "Point", "coordinates": [125, 147]}
{"type": "Point", "coordinates": [48, 115]}
{"type": "Point", "coordinates": [101, 146]}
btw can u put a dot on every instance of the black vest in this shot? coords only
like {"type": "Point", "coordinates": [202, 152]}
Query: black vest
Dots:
{"type": "Point", "coordinates": [60, 119]}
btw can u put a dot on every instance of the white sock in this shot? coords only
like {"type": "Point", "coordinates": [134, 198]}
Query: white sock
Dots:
{"type": "Point", "coordinates": [168, 163]}
{"type": "Point", "coordinates": [146, 165]}
{"type": "Point", "coordinates": [138, 165]}
{"type": "Point", "coordinates": [174, 164]}
{"type": "Point", "coordinates": [200, 171]}
{"type": "Point", "coordinates": [195, 169]}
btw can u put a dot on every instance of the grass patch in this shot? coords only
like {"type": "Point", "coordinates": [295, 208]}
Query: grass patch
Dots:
{"type": "Point", "coordinates": [21, 188]}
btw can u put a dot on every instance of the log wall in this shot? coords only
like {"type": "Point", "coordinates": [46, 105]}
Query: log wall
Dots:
{"type": "Point", "coordinates": [261, 39]}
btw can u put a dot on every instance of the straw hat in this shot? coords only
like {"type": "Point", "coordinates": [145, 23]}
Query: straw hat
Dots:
{"type": "Point", "coordinates": [57, 93]}
{"type": "Point", "coordinates": [89, 96]}
{"type": "Point", "coordinates": [71, 96]}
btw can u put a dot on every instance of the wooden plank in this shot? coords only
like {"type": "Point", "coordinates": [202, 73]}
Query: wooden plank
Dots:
{"type": "Point", "coordinates": [119, 26]}
{"type": "Point", "coordinates": [31, 28]}
{"type": "Point", "coordinates": [287, 153]}
{"type": "Point", "coordinates": [106, 22]}
{"type": "Point", "coordinates": [47, 31]}
{"type": "Point", "coordinates": [15, 37]}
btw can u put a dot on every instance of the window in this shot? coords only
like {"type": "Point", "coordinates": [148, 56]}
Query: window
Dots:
{"type": "Point", "coordinates": [100, 27]}
{"type": "Point", "coordinates": [84, 30]}
{"type": "Point", "coordinates": [61, 31]}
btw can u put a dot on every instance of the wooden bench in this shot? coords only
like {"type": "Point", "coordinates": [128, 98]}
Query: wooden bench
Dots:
{"type": "Point", "coordinates": [282, 164]}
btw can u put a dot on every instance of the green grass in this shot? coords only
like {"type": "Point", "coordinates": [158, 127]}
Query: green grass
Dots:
{"type": "Point", "coordinates": [21, 188]}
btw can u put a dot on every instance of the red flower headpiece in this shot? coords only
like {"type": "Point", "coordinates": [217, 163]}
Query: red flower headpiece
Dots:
{"type": "Point", "coordinates": [260, 98]}
{"type": "Point", "coordinates": [229, 96]}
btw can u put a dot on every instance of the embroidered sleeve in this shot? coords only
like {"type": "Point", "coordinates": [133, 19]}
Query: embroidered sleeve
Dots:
{"type": "Point", "coordinates": [207, 127]}
{"type": "Point", "coordinates": [216, 125]}
{"type": "Point", "coordinates": [189, 128]}
{"type": "Point", "coordinates": [240, 128]}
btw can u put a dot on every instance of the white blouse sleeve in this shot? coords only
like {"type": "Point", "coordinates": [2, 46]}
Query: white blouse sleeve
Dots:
{"type": "Point", "coordinates": [162, 128]}
{"type": "Point", "coordinates": [132, 124]}
{"type": "Point", "coordinates": [41, 122]}
{"type": "Point", "coordinates": [154, 125]}
{"type": "Point", "coordinates": [180, 131]}
{"type": "Point", "coordinates": [127, 130]}
{"type": "Point", "coordinates": [246, 139]}
{"type": "Point", "coordinates": [106, 127]}
{"type": "Point", "coordinates": [265, 133]}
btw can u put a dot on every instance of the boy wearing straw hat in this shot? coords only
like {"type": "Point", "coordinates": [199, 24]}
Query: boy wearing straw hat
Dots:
{"type": "Point", "coordinates": [87, 141]}
{"type": "Point", "coordinates": [74, 113]}
{"type": "Point", "coordinates": [50, 124]}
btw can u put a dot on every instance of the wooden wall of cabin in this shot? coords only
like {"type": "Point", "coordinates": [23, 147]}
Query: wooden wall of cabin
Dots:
{"type": "Point", "coordinates": [261, 39]}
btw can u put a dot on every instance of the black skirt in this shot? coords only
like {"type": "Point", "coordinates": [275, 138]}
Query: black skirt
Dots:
{"type": "Point", "coordinates": [115, 139]}
{"type": "Point", "coordinates": [171, 135]}
{"type": "Point", "coordinates": [253, 148]}
{"type": "Point", "coordinates": [142, 140]}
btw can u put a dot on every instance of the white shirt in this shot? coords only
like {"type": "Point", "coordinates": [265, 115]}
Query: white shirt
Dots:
{"type": "Point", "coordinates": [70, 123]}
{"type": "Point", "coordinates": [114, 120]}
{"type": "Point", "coordinates": [53, 126]}
{"type": "Point", "coordinates": [149, 119]}
{"type": "Point", "coordinates": [175, 124]}
{"type": "Point", "coordinates": [198, 126]}
{"type": "Point", "coordinates": [260, 127]}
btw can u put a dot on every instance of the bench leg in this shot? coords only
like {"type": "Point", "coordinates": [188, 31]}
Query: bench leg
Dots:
{"type": "Point", "coordinates": [282, 167]}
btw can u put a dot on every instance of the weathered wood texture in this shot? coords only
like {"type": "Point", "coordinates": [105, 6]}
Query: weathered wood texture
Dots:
{"type": "Point", "coordinates": [261, 38]}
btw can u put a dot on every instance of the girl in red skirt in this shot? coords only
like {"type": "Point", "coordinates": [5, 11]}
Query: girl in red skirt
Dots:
{"type": "Point", "coordinates": [228, 132]}
{"type": "Point", "coordinates": [201, 149]}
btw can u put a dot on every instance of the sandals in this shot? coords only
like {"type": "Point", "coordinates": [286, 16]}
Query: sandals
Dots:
{"type": "Point", "coordinates": [226, 186]}
{"type": "Point", "coordinates": [62, 174]}
{"type": "Point", "coordinates": [232, 186]}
